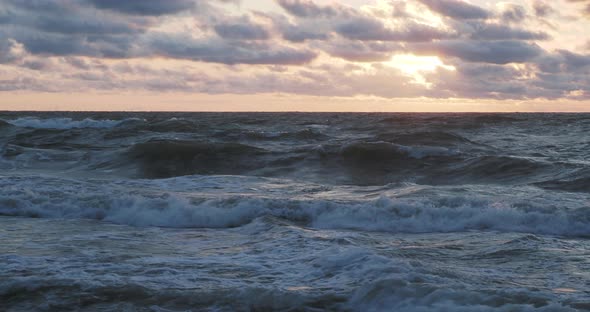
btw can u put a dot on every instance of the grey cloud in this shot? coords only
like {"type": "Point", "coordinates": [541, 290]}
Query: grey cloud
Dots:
{"type": "Point", "coordinates": [575, 61]}
{"type": "Point", "coordinates": [495, 52]}
{"type": "Point", "coordinates": [550, 64]}
{"type": "Point", "coordinates": [217, 51]}
{"type": "Point", "coordinates": [477, 80]}
{"type": "Point", "coordinates": [365, 28]}
{"type": "Point", "coordinates": [556, 86]}
{"type": "Point", "coordinates": [9, 51]}
{"type": "Point", "coordinates": [563, 61]}
{"type": "Point", "coordinates": [359, 51]}
{"type": "Point", "coordinates": [23, 83]}
{"type": "Point", "coordinates": [349, 23]}
{"type": "Point", "coordinates": [77, 62]}
{"type": "Point", "coordinates": [513, 13]}
{"type": "Point", "coordinates": [81, 25]}
{"type": "Point", "coordinates": [542, 9]}
{"type": "Point", "coordinates": [41, 27]}
{"type": "Point", "coordinates": [38, 64]}
{"type": "Point", "coordinates": [555, 76]}
{"type": "Point", "coordinates": [63, 45]}
{"type": "Point", "coordinates": [307, 8]}
{"type": "Point", "coordinates": [295, 34]}
{"type": "Point", "coordinates": [241, 29]}
{"type": "Point", "coordinates": [48, 16]}
{"type": "Point", "coordinates": [145, 7]}
{"type": "Point", "coordinates": [43, 6]}
{"type": "Point", "coordinates": [456, 9]}
{"type": "Point", "coordinates": [501, 32]}
{"type": "Point", "coordinates": [300, 33]}
{"type": "Point", "coordinates": [103, 34]}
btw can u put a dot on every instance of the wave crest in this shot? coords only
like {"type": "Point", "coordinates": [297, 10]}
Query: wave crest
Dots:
{"type": "Point", "coordinates": [63, 123]}
{"type": "Point", "coordinates": [398, 215]}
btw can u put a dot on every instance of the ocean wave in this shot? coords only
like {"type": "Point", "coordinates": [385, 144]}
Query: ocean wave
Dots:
{"type": "Point", "coordinates": [169, 158]}
{"type": "Point", "coordinates": [4, 124]}
{"type": "Point", "coordinates": [497, 118]}
{"type": "Point", "coordinates": [428, 149]}
{"type": "Point", "coordinates": [115, 293]}
{"type": "Point", "coordinates": [304, 134]}
{"type": "Point", "coordinates": [174, 125]}
{"type": "Point", "coordinates": [63, 123]}
{"type": "Point", "coordinates": [263, 135]}
{"type": "Point", "coordinates": [573, 185]}
{"type": "Point", "coordinates": [400, 294]}
{"type": "Point", "coordinates": [360, 163]}
{"type": "Point", "coordinates": [386, 214]}
{"type": "Point", "coordinates": [385, 151]}
{"type": "Point", "coordinates": [492, 168]}
{"type": "Point", "coordinates": [332, 278]}
{"type": "Point", "coordinates": [438, 138]}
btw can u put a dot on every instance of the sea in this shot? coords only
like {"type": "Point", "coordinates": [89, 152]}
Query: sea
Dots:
{"type": "Point", "coordinates": [294, 212]}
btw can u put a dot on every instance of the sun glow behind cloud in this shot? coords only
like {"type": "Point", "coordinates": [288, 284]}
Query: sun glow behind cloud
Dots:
{"type": "Point", "coordinates": [416, 66]}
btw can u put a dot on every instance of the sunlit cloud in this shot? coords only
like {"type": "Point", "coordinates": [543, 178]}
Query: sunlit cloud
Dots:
{"type": "Point", "coordinates": [416, 66]}
{"type": "Point", "coordinates": [518, 50]}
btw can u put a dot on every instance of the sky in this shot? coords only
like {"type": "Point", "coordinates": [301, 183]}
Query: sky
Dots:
{"type": "Point", "coordinates": [295, 55]}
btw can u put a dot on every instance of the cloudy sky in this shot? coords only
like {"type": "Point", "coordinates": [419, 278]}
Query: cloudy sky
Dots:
{"type": "Point", "coordinates": [320, 55]}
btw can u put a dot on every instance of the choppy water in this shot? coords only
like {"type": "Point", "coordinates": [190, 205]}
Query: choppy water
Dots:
{"type": "Point", "coordinates": [294, 212]}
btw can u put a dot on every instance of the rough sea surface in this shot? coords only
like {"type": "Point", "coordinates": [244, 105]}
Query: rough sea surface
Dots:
{"type": "Point", "coordinates": [294, 212]}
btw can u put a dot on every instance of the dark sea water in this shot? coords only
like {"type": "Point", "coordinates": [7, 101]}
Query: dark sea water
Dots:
{"type": "Point", "coordinates": [294, 212]}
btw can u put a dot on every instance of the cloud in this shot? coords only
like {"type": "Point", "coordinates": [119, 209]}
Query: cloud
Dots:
{"type": "Point", "coordinates": [563, 61]}
{"type": "Point", "coordinates": [241, 29]}
{"type": "Point", "coordinates": [307, 8]}
{"type": "Point", "coordinates": [457, 9]}
{"type": "Point", "coordinates": [494, 52]}
{"type": "Point", "coordinates": [219, 51]}
{"type": "Point", "coordinates": [474, 80]}
{"type": "Point", "coordinates": [513, 13]}
{"type": "Point", "coordinates": [586, 9]}
{"type": "Point", "coordinates": [300, 47]}
{"type": "Point", "coordinates": [145, 7]}
{"type": "Point", "coordinates": [350, 24]}
{"type": "Point", "coordinates": [502, 32]}
{"type": "Point", "coordinates": [574, 61]}
{"type": "Point", "coordinates": [64, 45]}
{"type": "Point", "coordinates": [360, 51]}
{"type": "Point", "coordinates": [48, 16]}
{"type": "Point", "coordinates": [41, 28]}
{"type": "Point", "coordinates": [542, 9]}
{"type": "Point", "coordinates": [363, 28]}
{"type": "Point", "coordinates": [294, 33]}
{"type": "Point", "coordinates": [11, 51]}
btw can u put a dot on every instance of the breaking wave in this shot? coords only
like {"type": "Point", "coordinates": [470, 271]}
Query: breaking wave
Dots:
{"type": "Point", "coordinates": [387, 214]}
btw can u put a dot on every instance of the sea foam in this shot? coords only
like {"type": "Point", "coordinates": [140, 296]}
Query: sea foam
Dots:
{"type": "Point", "coordinates": [132, 206]}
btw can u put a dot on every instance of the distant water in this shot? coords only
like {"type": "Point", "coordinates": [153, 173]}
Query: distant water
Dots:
{"type": "Point", "coordinates": [294, 212]}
